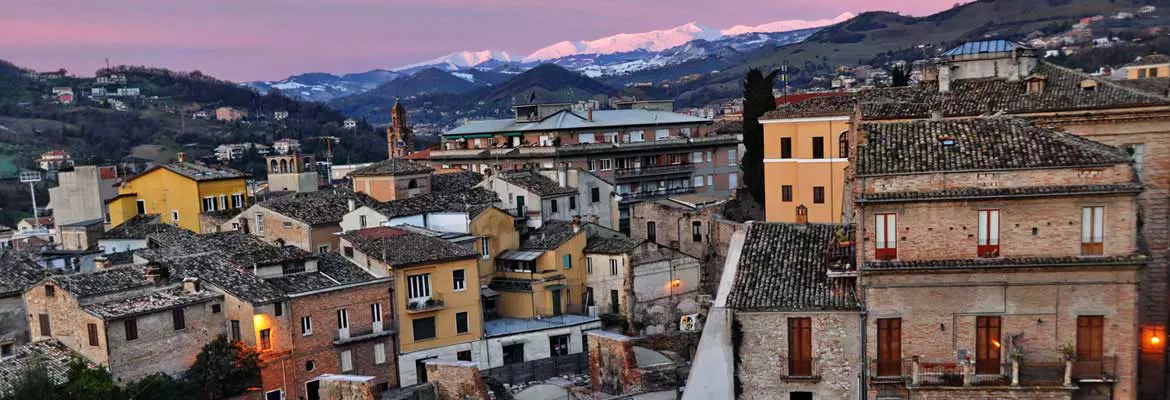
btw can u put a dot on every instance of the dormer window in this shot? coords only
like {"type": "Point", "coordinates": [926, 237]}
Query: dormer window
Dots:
{"type": "Point", "coordinates": [947, 140]}
{"type": "Point", "coordinates": [1088, 85]}
{"type": "Point", "coordinates": [1036, 84]}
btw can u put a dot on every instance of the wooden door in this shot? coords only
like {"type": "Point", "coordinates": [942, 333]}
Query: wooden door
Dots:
{"type": "Point", "coordinates": [889, 349]}
{"type": "Point", "coordinates": [1090, 335]}
{"type": "Point", "coordinates": [987, 345]}
{"type": "Point", "coordinates": [799, 347]}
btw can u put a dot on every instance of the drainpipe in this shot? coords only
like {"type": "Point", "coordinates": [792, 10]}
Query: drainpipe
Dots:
{"type": "Point", "coordinates": [862, 390]}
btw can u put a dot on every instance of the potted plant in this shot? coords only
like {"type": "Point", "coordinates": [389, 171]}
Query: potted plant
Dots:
{"type": "Point", "coordinates": [1068, 352]}
{"type": "Point", "coordinates": [842, 238]}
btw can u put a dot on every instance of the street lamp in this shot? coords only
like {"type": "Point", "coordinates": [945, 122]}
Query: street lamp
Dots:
{"type": "Point", "coordinates": [31, 178]}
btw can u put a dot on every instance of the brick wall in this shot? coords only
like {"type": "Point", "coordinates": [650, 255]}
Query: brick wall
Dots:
{"type": "Point", "coordinates": [1003, 179]}
{"type": "Point", "coordinates": [949, 230]}
{"type": "Point", "coordinates": [456, 380]}
{"type": "Point", "coordinates": [763, 355]}
{"type": "Point", "coordinates": [711, 251]}
{"type": "Point", "coordinates": [612, 364]}
{"type": "Point", "coordinates": [996, 393]}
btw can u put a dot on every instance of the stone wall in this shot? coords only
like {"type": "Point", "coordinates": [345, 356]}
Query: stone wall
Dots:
{"type": "Point", "coordinates": [612, 363]}
{"type": "Point", "coordinates": [13, 321]}
{"type": "Point", "coordinates": [159, 347]}
{"type": "Point", "coordinates": [711, 250]}
{"type": "Point", "coordinates": [456, 380]}
{"type": "Point", "coordinates": [346, 387]}
{"type": "Point", "coordinates": [763, 355]}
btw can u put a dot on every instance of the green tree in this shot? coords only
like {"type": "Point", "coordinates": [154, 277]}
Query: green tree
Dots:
{"type": "Point", "coordinates": [899, 75]}
{"type": "Point", "coordinates": [160, 387]}
{"type": "Point", "coordinates": [757, 100]}
{"type": "Point", "coordinates": [85, 383]}
{"type": "Point", "coordinates": [34, 383]}
{"type": "Point", "coordinates": [224, 368]}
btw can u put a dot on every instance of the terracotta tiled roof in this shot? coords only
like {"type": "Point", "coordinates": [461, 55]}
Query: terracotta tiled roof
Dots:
{"type": "Point", "coordinates": [111, 280]}
{"type": "Point", "coordinates": [50, 354]}
{"type": "Point", "coordinates": [536, 183]}
{"type": "Point", "coordinates": [998, 193]}
{"type": "Point", "coordinates": [199, 172]}
{"type": "Point", "coordinates": [392, 168]}
{"type": "Point", "coordinates": [782, 267]}
{"type": "Point", "coordinates": [1152, 59]}
{"type": "Point", "coordinates": [401, 248]}
{"type": "Point", "coordinates": [155, 301]}
{"type": "Point", "coordinates": [835, 104]}
{"type": "Point", "coordinates": [332, 270]}
{"type": "Point", "coordinates": [551, 234]}
{"type": "Point", "coordinates": [138, 227]}
{"type": "Point", "coordinates": [978, 144]}
{"type": "Point", "coordinates": [454, 182]}
{"type": "Point", "coordinates": [611, 245]}
{"type": "Point", "coordinates": [317, 208]}
{"type": "Point", "coordinates": [18, 273]}
{"type": "Point", "coordinates": [1150, 86]}
{"type": "Point", "coordinates": [1008, 262]}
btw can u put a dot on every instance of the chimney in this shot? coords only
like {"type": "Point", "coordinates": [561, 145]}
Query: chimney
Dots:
{"type": "Point", "coordinates": [802, 215]}
{"type": "Point", "coordinates": [591, 114]}
{"type": "Point", "coordinates": [944, 78]}
{"type": "Point", "coordinates": [352, 204]}
{"type": "Point", "coordinates": [157, 273]}
{"type": "Point", "coordinates": [576, 224]}
{"type": "Point", "coordinates": [101, 263]}
{"type": "Point", "coordinates": [182, 157]}
{"type": "Point", "coordinates": [936, 115]}
{"type": "Point", "coordinates": [191, 285]}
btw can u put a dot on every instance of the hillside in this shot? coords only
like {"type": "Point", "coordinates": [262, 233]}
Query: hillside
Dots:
{"type": "Point", "coordinates": [872, 33]}
{"type": "Point", "coordinates": [371, 103]}
{"type": "Point", "coordinates": [549, 82]}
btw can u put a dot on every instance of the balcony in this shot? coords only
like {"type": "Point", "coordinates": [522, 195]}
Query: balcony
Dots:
{"type": "Point", "coordinates": [422, 305]}
{"type": "Point", "coordinates": [1014, 373]}
{"type": "Point", "coordinates": [658, 170]}
{"type": "Point", "coordinates": [806, 370]}
{"type": "Point", "coordinates": [653, 194]}
{"type": "Point", "coordinates": [355, 334]}
{"type": "Point", "coordinates": [889, 371]}
{"type": "Point", "coordinates": [1103, 370]}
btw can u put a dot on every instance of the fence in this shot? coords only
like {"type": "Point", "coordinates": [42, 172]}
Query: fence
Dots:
{"type": "Point", "coordinates": [538, 370]}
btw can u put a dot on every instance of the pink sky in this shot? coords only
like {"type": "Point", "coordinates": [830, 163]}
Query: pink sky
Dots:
{"type": "Point", "coordinates": [271, 39]}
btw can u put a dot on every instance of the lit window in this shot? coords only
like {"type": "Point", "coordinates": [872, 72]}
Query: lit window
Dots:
{"type": "Point", "coordinates": [886, 236]}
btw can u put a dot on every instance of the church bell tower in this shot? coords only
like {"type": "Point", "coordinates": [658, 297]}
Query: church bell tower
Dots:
{"type": "Point", "coordinates": [399, 138]}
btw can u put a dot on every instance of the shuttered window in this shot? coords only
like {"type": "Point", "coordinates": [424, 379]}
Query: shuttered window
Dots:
{"type": "Point", "coordinates": [889, 349]}
{"type": "Point", "coordinates": [988, 246]}
{"type": "Point", "coordinates": [886, 233]}
{"type": "Point", "coordinates": [800, 347]}
{"type": "Point", "coordinates": [1090, 336]}
{"type": "Point", "coordinates": [1092, 231]}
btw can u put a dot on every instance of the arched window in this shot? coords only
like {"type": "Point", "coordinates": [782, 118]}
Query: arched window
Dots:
{"type": "Point", "coordinates": [273, 167]}
{"type": "Point", "coordinates": [843, 140]}
{"type": "Point", "coordinates": [283, 166]}
{"type": "Point", "coordinates": [413, 184]}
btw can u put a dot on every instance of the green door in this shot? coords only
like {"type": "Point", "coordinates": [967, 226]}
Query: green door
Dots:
{"type": "Point", "coordinates": [556, 302]}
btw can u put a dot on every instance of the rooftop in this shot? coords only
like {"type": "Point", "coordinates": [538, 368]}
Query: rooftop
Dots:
{"type": "Point", "coordinates": [473, 201]}
{"type": "Point", "coordinates": [782, 267]}
{"type": "Point", "coordinates": [115, 279]}
{"type": "Point", "coordinates": [138, 227]}
{"type": "Point", "coordinates": [51, 354]}
{"type": "Point", "coordinates": [18, 273]}
{"type": "Point", "coordinates": [216, 269]}
{"type": "Point", "coordinates": [1152, 59]}
{"type": "Point", "coordinates": [197, 172]}
{"type": "Point", "coordinates": [317, 208]}
{"type": "Point", "coordinates": [570, 120]}
{"type": "Point", "coordinates": [512, 326]}
{"type": "Point", "coordinates": [966, 194]}
{"type": "Point", "coordinates": [983, 47]}
{"type": "Point", "coordinates": [392, 167]}
{"type": "Point", "coordinates": [1007, 262]}
{"type": "Point", "coordinates": [536, 183]}
{"type": "Point", "coordinates": [978, 144]}
{"type": "Point", "coordinates": [333, 270]}
{"type": "Point", "coordinates": [551, 234]}
{"type": "Point", "coordinates": [402, 248]}
{"type": "Point", "coordinates": [611, 245]}
{"type": "Point", "coordinates": [454, 182]}
{"type": "Point", "coordinates": [242, 249]}
{"type": "Point", "coordinates": [155, 301]}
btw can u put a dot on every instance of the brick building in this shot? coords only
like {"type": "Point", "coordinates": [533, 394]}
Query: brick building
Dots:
{"type": "Point", "coordinates": [309, 221]}
{"type": "Point", "coordinates": [993, 252]}
{"type": "Point", "coordinates": [392, 179]}
{"type": "Point", "coordinates": [692, 224]}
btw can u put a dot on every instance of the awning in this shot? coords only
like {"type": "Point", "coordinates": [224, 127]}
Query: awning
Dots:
{"type": "Point", "coordinates": [473, 136]}
{"type": "Point", "coordinates": [519, 255]}
{"type": "Point", "coordinates": [485, 291]}
{"type": "Point", "coordinates": [510, 134]}
{"type": "Point", "coordinates": [554, 287]}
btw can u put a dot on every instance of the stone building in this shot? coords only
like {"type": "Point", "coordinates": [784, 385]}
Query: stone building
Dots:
{"type": "Point", "coordinates": [132, 234]}
{"type": "Point", "coordinates": [399, 136]}
{"type": "Point", "coordinates": [787, 321]}
{"type": "Point", "coordinates": [309, 221]}
{"type": "Point", "coordinates": [291, 173]}
{"type": "Point", "coordinates": [392, 180]}
{"type": "Point", "coordinates": [1002, 258]}
{"type": "Point", "coordinates": [17, 274]}
{"type": "Point", "coordinates": [692, 224]}
{"type": "Point", "coordinates": [535, 196]}
{"type": "Point", "coordinates": [50, 354]}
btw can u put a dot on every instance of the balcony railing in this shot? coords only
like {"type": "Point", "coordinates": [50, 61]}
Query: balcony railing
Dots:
{"type": "Point", "coordinates": [800, 370]}
{"type": "Point", "coordinates": [1104, 369]}
{"type": "Point", "coordinates": [650, 194]}
{"type": "Point", "coordinates": [654, 170]}
{"type": "Point", "coordinates": [889, 370]}
{"type": "Point", "coordinates": [433, 303]}
{"type": "Point", "coordinates": [1014, 373]}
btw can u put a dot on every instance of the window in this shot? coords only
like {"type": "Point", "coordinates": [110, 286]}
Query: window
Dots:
{"type": "Point", "coordinates": [46, 329]}
{"type": "Point", "coordinates": [988, 246]}
{"type": "Point", "coordinates": [589, 265]}
{"type": "Point", "coordinates": [699, 181]}
{"type": "Point", "coordinates": [208, 204]}
{"type": "Point", "coordinates": [379, 353]}
{"type": "Point", "coordinates": [614, 298]}
{"type": "Point", "coordinates": [514, 353]}
{"type": "Point", "coordinates": [1090, 336]}
{"type": "Point", "coordinates": [342, 319]}
{"type": "Point", "coordinates": [585, 138]}
{"type": "Point", "coordinates": [592, 165]}
{"type": "Point", "coordinates": [464, 355]}
{"type": "Point", "coordinates": [710, 156]}
{"type": "Point", "coordinates": [260, 223]}
{"type": "Point", "coordinates": [418, 286]}
{"type": "Point", "coordinates": [697, 157]}
{"type": "Point", "coordinates": [461, 323]}
{"type": "Point", "coordinates": [613, 266]}
{"type": "Point", "coordinates": [289, 269]}
{"type": "Point", "coordinates": [595, 195]}
{"type": "Point", "coordinates": [1142, 73]}
{"type": "Point", "coordinates": [1138, 153]}
{"type": "Point", "coordinates": [661, 134]}
{"type": "Point", "coordinates": [1092, 231]}
{"type": "Point", "coordinates": [987, 344]}
{"type": "Point", "coordinates": [178, 320]}
{"type": "Point", "coordinates": [843, 145]}
{"type": "Point", "coordinates": [6, 349]}
{"type": "Point", "coordinates": [889, 351]}
{"type": "Point", "coordinates": [573, 203]}
{"type": "Point", "coordinates": [274, 395]}
{"type": "Point", "coordinates": [306, 326]}
{"type": "Point", "coordinates": [800, 347]}
{"type": "Point", "coordinates": [237, 200]}
{"type": "Point", "coordinates": [818, 195]}
{"type": "Point", "coordinates": [310, 365]}
{"type": "Point", "coordinates": [732, 180]}
{"type": "Point", "coordinates": [818, 150]}
{"type": "Point", "coordinates": [553, 204]}
{"type": "Point", "coordinates": [50, 290]}
{"type": "Point", "coordinates": [424, 328]}
{"type": "Point", "coordinates": [346, 361]}
{"type": "Point", "coordinates": [606, 164]}
{"type": "Point", "coordinates": [376, 313]}
{"type": "Point", "coordinates": [567, 261]}
{"type": "Point", "coordinates": [362, 221]}
{"type": "Point", "coordinates": [131, 327]}
{"type": "Point", "coordinates": [265, 339]}
{"type": "Point", "coordinates": [222, 204]}
{"type": "Point", "coordinates": [886, 233]}
{"type": "Point", "coordinates": [175, 215]}
{"type": "Point", "coordinates": [459, 282]}
{"type": "Point", "coordinates": [323, 249]}
{"type": "Point", "coordinates": [732, 157]}
{"type": "Point", "coordinates": [93, 334]}
{"type": "Point", "coordinates": [235, 330]}
{"type": "Point", "coordinates": [785, 147]}
{"type": "Point", "coordinates": [278, 308]}
{"type": "Point", "coordinates": [1153, 72]}
{"type": "Point", "coordinates": [141, 206]}
{"type": "Point", "coordinates": [216, 308]}
{"type": "Point", "coordinates": [711, 181]}
{"type": "Point", "coordinates": [697, 231]}
{"type": "Point", "coordinates": [652, 231]}
{"type": "Point", "coordinates": [786, 193]}
{"type": "Point", "coordinates": [347, 251]}
{"type": "Point", "coordinates": [558, 345]}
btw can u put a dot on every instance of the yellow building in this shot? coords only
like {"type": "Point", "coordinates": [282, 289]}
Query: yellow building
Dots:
{"type": "Point", "coordinates": [1151, 66]}
{"type": "Point", "coordinates": [496, 230]}
{"type": "Point", "coordinates": [546, 276]}
{"type": "Point", "coordinates": [179, 193]}
{"type": "Point", "coordinates": [805, 160]}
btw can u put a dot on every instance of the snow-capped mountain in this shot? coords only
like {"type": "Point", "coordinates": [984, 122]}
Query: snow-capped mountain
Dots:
{"type": "Point", "coordinates": [320, 86]}
{"type": "Point", "coordinates": [787, 25]}
{"type": "Point", "coordinates": [459, 60]}
{"type": "Point", "coordinates": [626, 42]}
